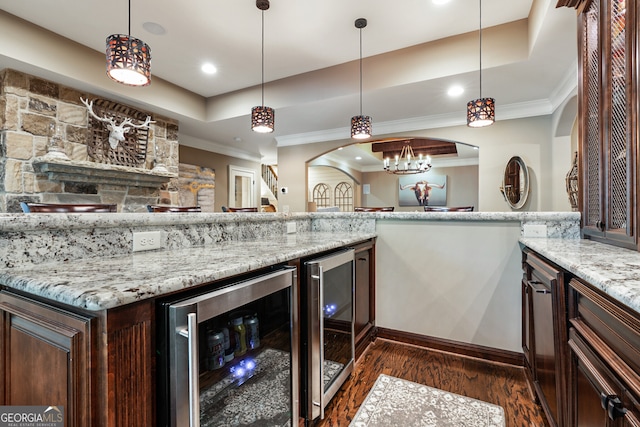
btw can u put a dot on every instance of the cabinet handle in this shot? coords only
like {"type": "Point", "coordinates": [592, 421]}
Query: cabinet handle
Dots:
{"type": "Point", "coordinates": [604, 399]}
{"type": "Point", "coordinates": [362, 259]}
{"type": "Point", "coordinates": [615, 408]}
{"type": "Point", "coordinates": [600, 225]}
{"type": "Point", "coordinates": [538, 287]}
{"type": "Point", "coordinates": [191, 334]}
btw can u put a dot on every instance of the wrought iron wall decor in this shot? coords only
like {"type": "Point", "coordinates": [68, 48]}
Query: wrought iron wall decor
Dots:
{"type": "Point", "coordinates": [130, 152]}
{"type": "Point", "coordinates": [571, 181]}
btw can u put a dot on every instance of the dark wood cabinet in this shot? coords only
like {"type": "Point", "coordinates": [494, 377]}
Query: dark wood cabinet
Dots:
{"type": "Point", "coordinates": [608, 128]}
{"type": "Point", "coordinates": [604, 370]}
{"type": "Point", "coordinates": [545, 333]}
{"type": "Point", "coordinates": [98, 366]}
{"type": "Point", "coordinates": [527, 328]}
{"type": "Point", "coordinates": [596, 345]}
{"type": "Point", "coordinates": [47, 358]}
{"type": "Point", "coordinates": [364, 298]}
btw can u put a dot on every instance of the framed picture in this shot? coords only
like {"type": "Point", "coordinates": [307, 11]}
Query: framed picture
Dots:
{"type": "Point", "coordinates": [423, 189]}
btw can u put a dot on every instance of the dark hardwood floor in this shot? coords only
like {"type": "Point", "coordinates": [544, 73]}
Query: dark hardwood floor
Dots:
{"type": "Point", "coordinates": [496, 383]}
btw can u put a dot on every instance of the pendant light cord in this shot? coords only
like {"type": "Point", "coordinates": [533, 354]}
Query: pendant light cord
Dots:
{"type": "Point", "coordinates": [129, 33]}
{"type": "Point", "coordinates": [480, 70]}
{"type": "Point", "coordinates": [262, 58]}
{"type": "Point", "coordinates": [360, 71]}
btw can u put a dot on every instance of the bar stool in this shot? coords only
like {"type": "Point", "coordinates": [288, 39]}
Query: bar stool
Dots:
{"type": "Point", "coordinates": [28, 207]}
{"type": "Point", "coordinates": [161, 208]}
{"type": "Point", "coordinates": [374, 209]}
{"type": "Point", "coordinates": [448, 208]}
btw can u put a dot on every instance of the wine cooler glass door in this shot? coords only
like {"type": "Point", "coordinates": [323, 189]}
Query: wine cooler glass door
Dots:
{"type": "Point", "coordinates": [234, 352]}
{"type": "Point", "coordinates": [330, 330]}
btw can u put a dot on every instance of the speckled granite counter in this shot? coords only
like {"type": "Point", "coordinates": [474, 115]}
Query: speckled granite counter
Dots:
{"type": "Point", "coordinates": [86, 260]}
{"type": "Point", "coordinates": [615, 271]}
{"type": "Point", "coordinates": [102, 283]}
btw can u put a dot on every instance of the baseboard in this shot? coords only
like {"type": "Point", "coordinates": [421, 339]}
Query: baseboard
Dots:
{"type": "Point", "coordinates": [364, 338]}
{"type": "Point", "coordinates": [456, 347]}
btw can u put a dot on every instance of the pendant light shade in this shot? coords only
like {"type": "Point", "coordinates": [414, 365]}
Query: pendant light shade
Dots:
{"type": "Point", "coordinates": [262, 118]}
{"type": "Point", "coordinates": [361, 125]}
{"type": "Point", "coordinates": [128, 59]}
{"type": "Point", "coordinates": [482, 111]}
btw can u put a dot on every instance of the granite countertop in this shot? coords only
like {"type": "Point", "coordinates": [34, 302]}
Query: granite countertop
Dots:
{"type": "Point", "coordinates": [108, 282]}
{"type": "Point", "coordinates": [616, 271]}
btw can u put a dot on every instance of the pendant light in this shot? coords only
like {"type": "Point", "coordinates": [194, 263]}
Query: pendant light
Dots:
{"type": "Point", "coordinates": [360, 125]}
{"type": "Point", "coordinates": [482, 111]}
{"type": "Point", "coordinates": [128, 59]}
{"type": "Point", "coordinates": [262, 118]}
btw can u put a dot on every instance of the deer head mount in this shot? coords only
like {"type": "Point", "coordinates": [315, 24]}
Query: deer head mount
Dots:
{"type": "Point", "coordinates": [116, 131]}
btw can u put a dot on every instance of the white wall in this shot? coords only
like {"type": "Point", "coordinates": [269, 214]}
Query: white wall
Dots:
{"type": "Point", "coordinates": [547, 159]}
{"type": "Point", "coordinates": [451, 280]}
{"type": "Point", "coordinates": [462, 187]}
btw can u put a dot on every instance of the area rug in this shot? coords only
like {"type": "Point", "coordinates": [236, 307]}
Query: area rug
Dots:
{"type": "Point", "coordinates": [259, 398]}
{"type": "Point", "coordinates": [394, 402]}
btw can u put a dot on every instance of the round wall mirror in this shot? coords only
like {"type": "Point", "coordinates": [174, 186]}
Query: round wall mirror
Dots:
{"type": "Point", "coordinates": [515, 183]}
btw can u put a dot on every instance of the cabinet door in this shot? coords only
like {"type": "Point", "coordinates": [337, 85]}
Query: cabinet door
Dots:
{"type": "Point", "coordinates": [607, 132]}
{"type": "Point", "coordinates": [364, 316]}
{"type": "Point", "coordinates": [547, 336]}
{"type": "Point", "coordinates": [46, 358]}
{"type": "Point", "coordinates": [527, 342]}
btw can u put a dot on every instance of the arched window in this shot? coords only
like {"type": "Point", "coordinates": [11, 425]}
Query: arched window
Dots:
{"type": "Point", "coordinates": [344, 197]}
{"type": "Point", "coordinates": [322, 195]}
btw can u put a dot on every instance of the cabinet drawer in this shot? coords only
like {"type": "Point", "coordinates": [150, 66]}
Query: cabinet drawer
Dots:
{"type": "Point", "coordinates": [614, 325]}
{"type": "Point", "coordinates": [613, 331]}
{"type": "Point", "coordinates": [599, 397]}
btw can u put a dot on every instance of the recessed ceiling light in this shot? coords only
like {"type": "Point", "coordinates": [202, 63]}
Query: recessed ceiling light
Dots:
{"type": "Point", "coordinates": [154, 28]}
{"type": "Point", "coordinates": [209, 68]}
{"type": "Point", "coordinates": [237, 139]}
{"type": "Point", "coordinates": [455, 90]}
{"type": "Point", "coordinates": [440, 1]}
{"type": "Point", "coordinates": [358, 158]}
{"type": "Point", "coordinates": [340, 148]}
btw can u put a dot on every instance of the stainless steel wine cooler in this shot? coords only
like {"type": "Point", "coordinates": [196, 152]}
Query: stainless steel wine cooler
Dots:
{"type": "Point", "coordinates": [328, 317]}
{"type": "Point", "coordinates": [232, 355]}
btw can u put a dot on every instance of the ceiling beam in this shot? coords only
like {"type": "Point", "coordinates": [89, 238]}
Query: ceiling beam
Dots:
{"type": "Point", "coordinates": [424, 146]}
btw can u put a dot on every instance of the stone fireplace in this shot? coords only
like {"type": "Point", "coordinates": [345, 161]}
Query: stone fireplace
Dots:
{"type": "Point", "coordinates": [29, 108]}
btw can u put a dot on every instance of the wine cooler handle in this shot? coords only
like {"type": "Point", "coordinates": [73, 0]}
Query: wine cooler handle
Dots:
{"type": "Point", "coordinates": [321, 313]}
{"type": "Point", "coordinates": [191, 333]}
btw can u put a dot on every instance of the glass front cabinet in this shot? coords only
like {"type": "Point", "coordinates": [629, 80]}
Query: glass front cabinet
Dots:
{"type": "Point", "coordinates": [607, 105]}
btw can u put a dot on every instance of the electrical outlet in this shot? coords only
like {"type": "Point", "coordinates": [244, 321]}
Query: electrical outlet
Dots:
{"type": "Point", "coordinates": [534, 230]}
{"type": "Point", "coordinates": [146, 240]}
{"type": "Point", "coordinates": [291, 227]}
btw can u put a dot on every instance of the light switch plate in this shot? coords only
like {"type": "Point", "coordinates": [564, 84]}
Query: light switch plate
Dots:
{"type": "Point", "coordinates": [146, 240]}
{"type": "Point", "coordinates": [534, 230]}
{"type": "Point", "coordinates": [291, 227]}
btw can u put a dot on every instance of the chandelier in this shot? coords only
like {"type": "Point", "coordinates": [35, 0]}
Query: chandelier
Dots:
{"type": "Point", "coordinates": [406, 163]}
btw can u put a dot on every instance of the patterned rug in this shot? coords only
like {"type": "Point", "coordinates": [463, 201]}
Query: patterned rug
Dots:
{"type": "Point", "coordinates": [394, 402]}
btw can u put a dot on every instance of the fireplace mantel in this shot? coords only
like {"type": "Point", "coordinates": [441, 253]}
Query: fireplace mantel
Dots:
{"type": "Point", "coordinates": [58, 169]}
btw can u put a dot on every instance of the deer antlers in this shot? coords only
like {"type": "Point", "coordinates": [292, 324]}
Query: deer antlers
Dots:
{"type": "Point", "coordinates": [116, 132]}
